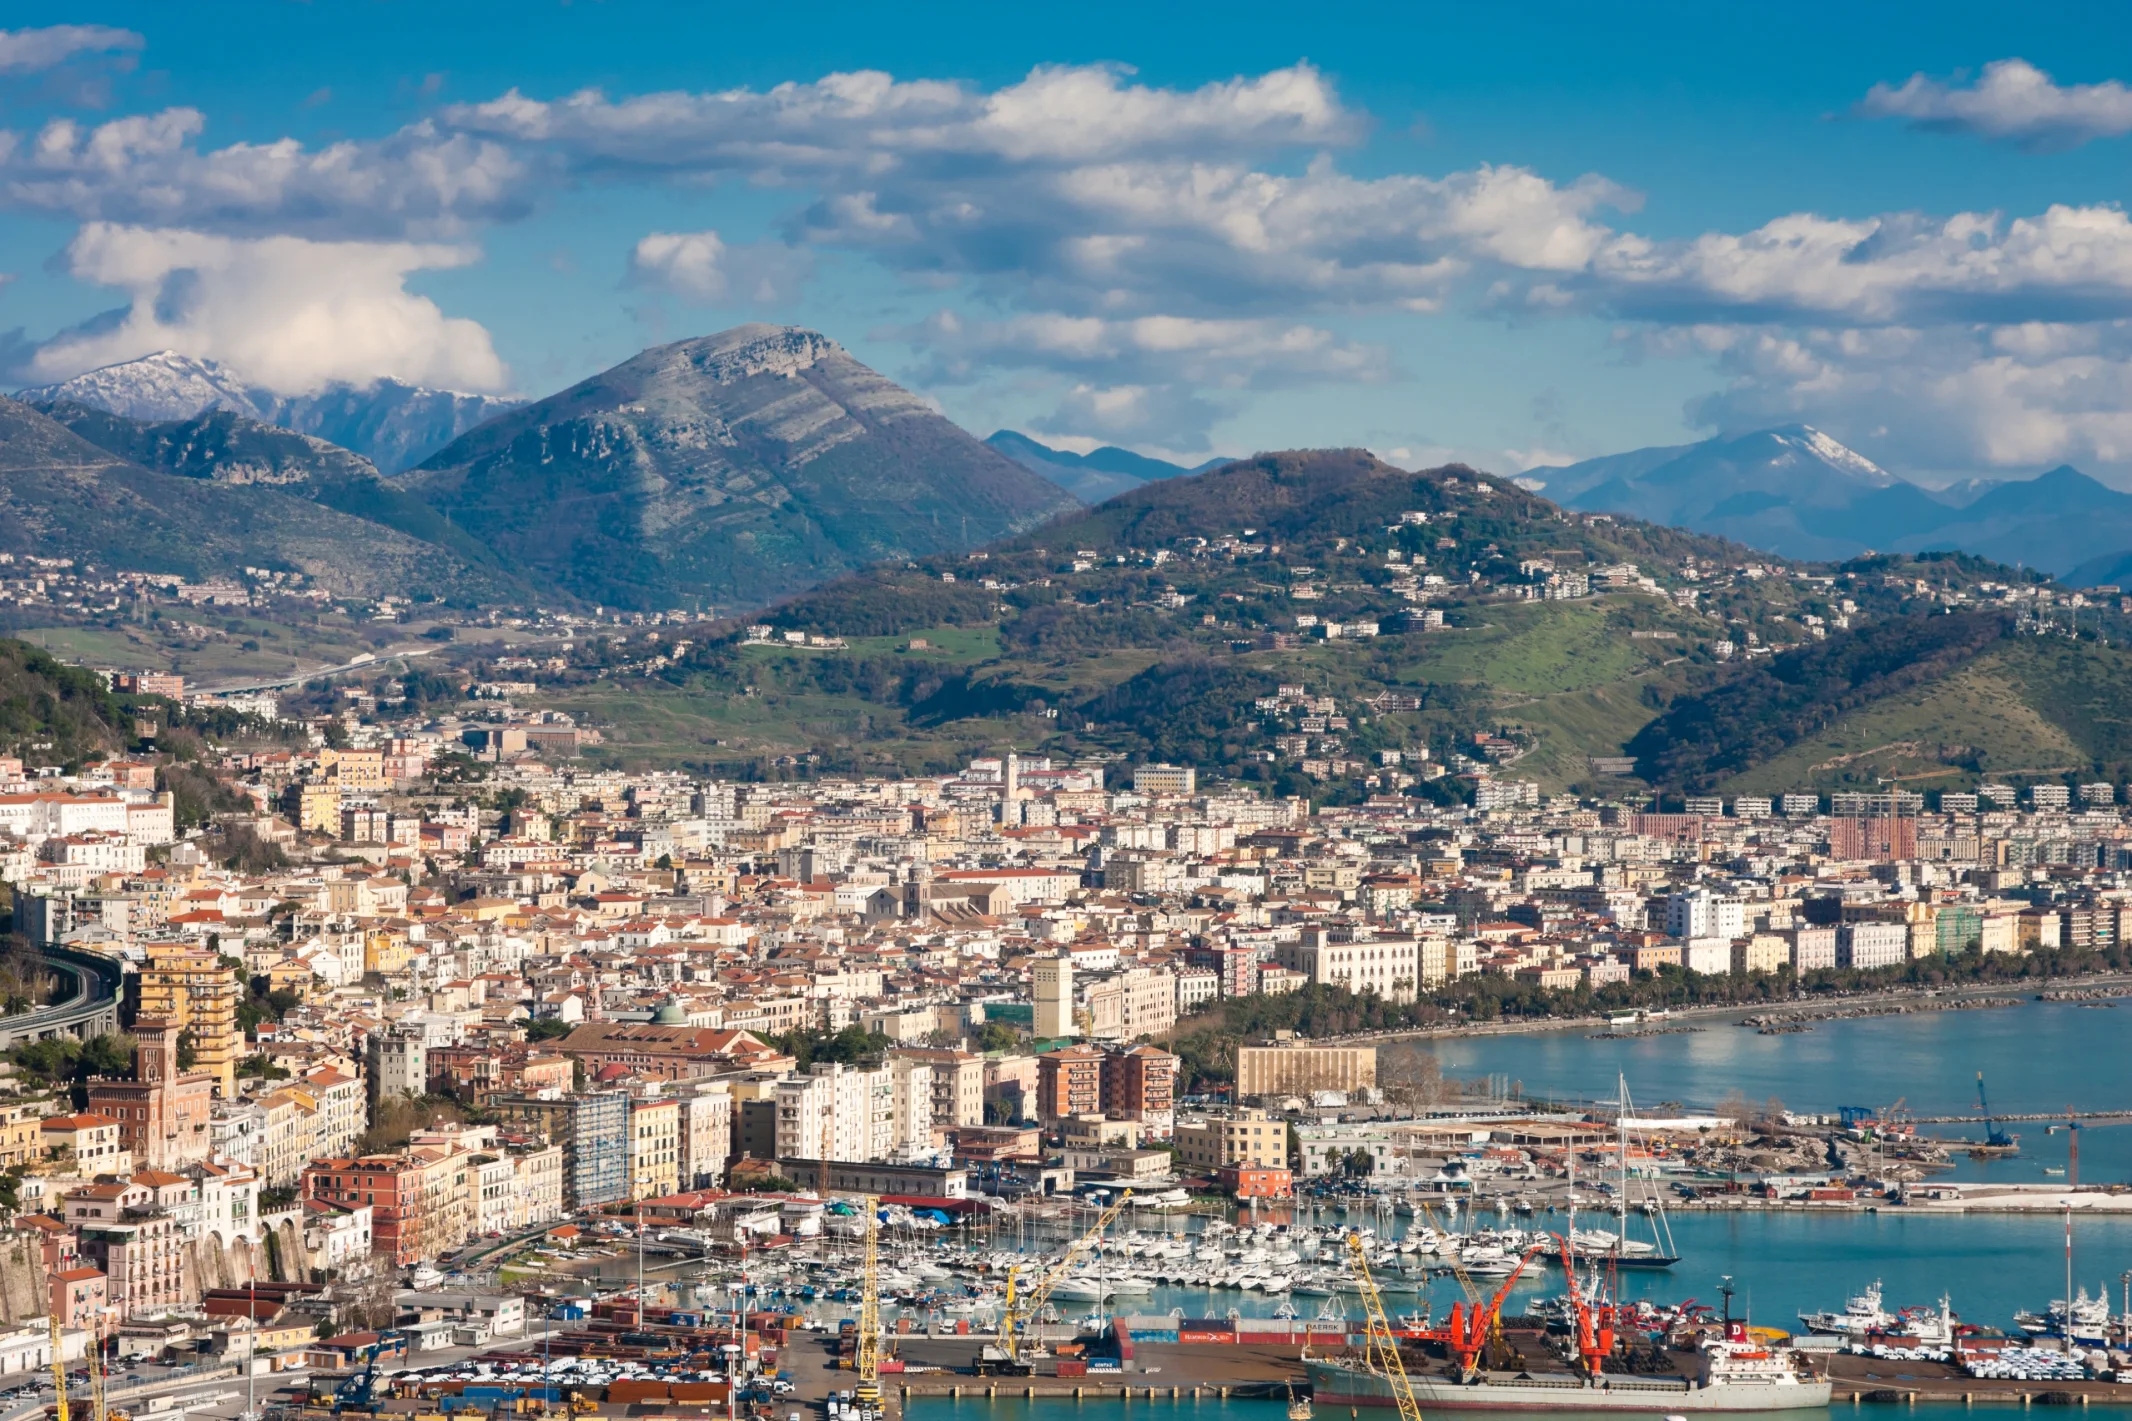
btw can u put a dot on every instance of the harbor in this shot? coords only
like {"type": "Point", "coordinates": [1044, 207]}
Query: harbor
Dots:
{"type": "Point", "coordinates": [1814, 1212]}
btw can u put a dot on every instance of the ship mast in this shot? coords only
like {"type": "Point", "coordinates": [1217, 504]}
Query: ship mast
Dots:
{"type": "Point", "coordinates": [2067, 1348]}
{"type": "Point", "coordinates": [1621, 1126]}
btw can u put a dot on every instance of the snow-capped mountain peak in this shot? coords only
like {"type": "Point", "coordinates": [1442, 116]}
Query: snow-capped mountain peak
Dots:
{"type": "Point", "coordinates": [162, 386]}
{"type": "Point", "coordinates": [393, 424]}
{"type": "Point", "coordinates": [1810, 440]}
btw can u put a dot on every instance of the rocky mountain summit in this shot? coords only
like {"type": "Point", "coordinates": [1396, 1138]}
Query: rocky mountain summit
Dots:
{"type": "Point", "coordinates": [730, 470]}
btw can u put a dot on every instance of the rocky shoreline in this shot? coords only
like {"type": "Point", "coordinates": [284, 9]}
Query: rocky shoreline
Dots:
{"type": "Point", "coordinates": [1781, 1022]}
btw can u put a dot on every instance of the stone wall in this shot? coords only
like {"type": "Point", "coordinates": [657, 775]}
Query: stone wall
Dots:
{"type": "Point", "coordinates": [25, 1292]}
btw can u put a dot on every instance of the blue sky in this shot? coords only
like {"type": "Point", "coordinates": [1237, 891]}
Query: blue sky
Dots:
{"type": "Point", "coordinates": [1511, 235]}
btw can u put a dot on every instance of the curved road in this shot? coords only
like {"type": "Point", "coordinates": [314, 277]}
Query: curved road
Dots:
{"type": "Point", "coordinates": [91, 1009]}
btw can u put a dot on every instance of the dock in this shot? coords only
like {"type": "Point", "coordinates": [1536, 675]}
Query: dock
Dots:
{"type": "Point", "coordinates": [1870, 1381]}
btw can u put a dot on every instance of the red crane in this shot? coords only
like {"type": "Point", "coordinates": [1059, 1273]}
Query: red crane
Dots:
{"type": "Point", "coordinates": [1470, 1331]}
{"type": "Point", "coordinates": [1594, 1327]}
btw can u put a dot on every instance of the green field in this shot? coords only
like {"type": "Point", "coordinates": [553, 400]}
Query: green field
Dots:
{"type": "Point", "coordinates": [1536, 649]}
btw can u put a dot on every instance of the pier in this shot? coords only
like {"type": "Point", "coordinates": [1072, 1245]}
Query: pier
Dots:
{"type": "Point", "coordinates": [1870, 1381]}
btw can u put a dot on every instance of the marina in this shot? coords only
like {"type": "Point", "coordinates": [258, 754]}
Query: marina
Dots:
{"type": "Point", "coordinates": [1222, 1308]}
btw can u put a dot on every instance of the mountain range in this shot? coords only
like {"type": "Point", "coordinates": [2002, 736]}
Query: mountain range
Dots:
{"type": "Point", "coordinates": [732, 469]}
{"type": "Point", "coordinates": [392, 424]}
{"type": "Point", "coordinates": [1795, 491]}
{"type": "Point", "coordinates": [1095, 476]}
{"type": "Point", "coordinates": [64, 495]}
{"type": "Point", "coordinates": [739, 468]}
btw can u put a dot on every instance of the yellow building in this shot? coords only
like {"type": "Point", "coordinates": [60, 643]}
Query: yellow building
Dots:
{"type": "Point", "coordinates": [1248, 1137]}
{"type": "Point", "coordinates": [313, 806]}
{"type": "Point", "coordinates": [654, 1148]}
{"type": "Point", "coordinates": [22, 1131]}
{"type": "Point", "coordinates": [385, 951]}
{"type": "Point", "coordinates": [199, 995]}
{"type": "Point", "coordinates": [354, 769]}
{"type": "Point", "coordinates": [1297, 1068]}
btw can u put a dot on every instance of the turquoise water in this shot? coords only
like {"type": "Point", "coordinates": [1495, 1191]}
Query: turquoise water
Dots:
{"type": "Point", "coordinates": [2037, 1058]}
{"type": "Point", "coordinates": [1785, 1263]}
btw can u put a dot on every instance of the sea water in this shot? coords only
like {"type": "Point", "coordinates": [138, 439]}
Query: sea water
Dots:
{"type": "Point", "coordinates": [2038, 1058]}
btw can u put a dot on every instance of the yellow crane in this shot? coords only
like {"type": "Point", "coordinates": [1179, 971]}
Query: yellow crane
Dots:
{"type": "Point", "coordinates": [867, 1361]}
{"type": "Point", "coordinates": [59, 1373]}
{"type": "Point", "coordinates": [1017, 1311]}
{"type": "Point", "coordinates": [1458, 1269]}
{"type": "Point", "coordinates": [1380, 1349]}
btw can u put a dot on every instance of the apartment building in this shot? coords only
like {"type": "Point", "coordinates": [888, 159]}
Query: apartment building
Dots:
{"type": "Point", "coordinates": [654, 1147]}
{"type": "Point", "coordinates": [1389, 967]}
{"type": "Point", "coordinates": [199, 994]}
{"type": "Point", "coordinates": [1245, 1137]}
{"type": "Point", "coordinates": [1297, 1067]}
{"type": "Point", "coordinates": [837, 1112]}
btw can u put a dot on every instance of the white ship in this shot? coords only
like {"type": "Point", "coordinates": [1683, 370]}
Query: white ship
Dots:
{"type": "Point", "coordinates": [2091, 1319]}
{"type": "Point", "coordinates": [1861, 1315]}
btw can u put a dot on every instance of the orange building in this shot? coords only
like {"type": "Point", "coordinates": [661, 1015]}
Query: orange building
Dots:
{"type": "Point", "coordinates": [1256, 1181]}
{"type": "Point", "coordinates": [1069, 1081]}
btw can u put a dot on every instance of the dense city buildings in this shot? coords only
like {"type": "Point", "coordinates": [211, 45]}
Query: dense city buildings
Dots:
{"type": "Point", "coordinates": [650, 988]}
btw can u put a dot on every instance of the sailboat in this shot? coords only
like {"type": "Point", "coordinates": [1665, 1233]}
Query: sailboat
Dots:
{"type": "Point", "coordinates": [1614, 1246]}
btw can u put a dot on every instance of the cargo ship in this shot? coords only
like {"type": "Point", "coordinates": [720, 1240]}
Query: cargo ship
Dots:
{"type": "Point", "coordinates": [1735, 1373]}
{"type": "Point", "coordinates": [1734, 1369]}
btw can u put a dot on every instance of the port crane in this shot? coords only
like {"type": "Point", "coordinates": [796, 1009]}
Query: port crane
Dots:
{"type": "Point", "coordinates": [1994, 1137]}
{"type": "Point", "coordinates": [1471, 1329]}
{"type": "Point", "coordinates": [1020, 1309]}
{"type": "Point", "coordinates": [354, 1394]}
{"type": "Point", "coordinates": [59, 1373]}
{"type": "Point", "coordinates": [1380, 1349]}
{"type": "Point", "coordinates": [1594, 1334]}
{"type": "Point", "coordinates": [866, 1361]}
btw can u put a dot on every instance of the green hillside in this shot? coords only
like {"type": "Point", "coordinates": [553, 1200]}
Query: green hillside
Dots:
{"type": "Point", "coordinates": [1157, 626]}
{"type": "Point", "coordinates": [53, 714]}
{"type": "Point", "coordinates": [1151, 627]}
{"type": "Point", "coordinates": [2026, 708]}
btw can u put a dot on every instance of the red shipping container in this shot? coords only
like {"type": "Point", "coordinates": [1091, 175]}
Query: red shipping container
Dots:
{"type": "Point", "coordinates": [699, 1391]}
{"type": "Point", "coordinates": [631, 1391]}
{"type": "Point", "coordinates": [1072, 1367]}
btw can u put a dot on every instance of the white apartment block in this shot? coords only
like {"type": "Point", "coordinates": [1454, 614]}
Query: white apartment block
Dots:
{"type": "Point", "coordinates": [1390, 967]}
{"type": "Point", "coordinates": [911, 1107]}
{"type": "Point", "coordinates": [1699, 913]}
{"type": "Point", "coordinates": [706, 1133]}
{"type": "Point", "coordinates": [837, 1112]}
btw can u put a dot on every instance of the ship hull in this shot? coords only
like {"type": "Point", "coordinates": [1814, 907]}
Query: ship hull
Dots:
{"type": "Point", "coordinates": [1336, 1385]}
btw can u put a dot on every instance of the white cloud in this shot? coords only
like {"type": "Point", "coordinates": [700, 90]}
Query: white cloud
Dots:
{"type": "Point", "coordinates": [1149, 378]}
{"type": "Point", "coordinates": [148, 169]}
{"type": "Point", "coordinates": [285, 312]}
{"type": "Point", "coordinates": [1078, 190]}
{"type": "Point", "coordinates": [2013, 101]}
{"type": "Point", "coordinates": [27, 51]}
{"type": "Point", "coordinates": [1945, 400]}
{"type": "Point", "coordinates": [703, 267]}
{"type": "Point", "coordinates": [865, 120]}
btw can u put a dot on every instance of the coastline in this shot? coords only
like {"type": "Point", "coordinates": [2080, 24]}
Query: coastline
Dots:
{"type": "Point", "coordinates": [1797, 1007]}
